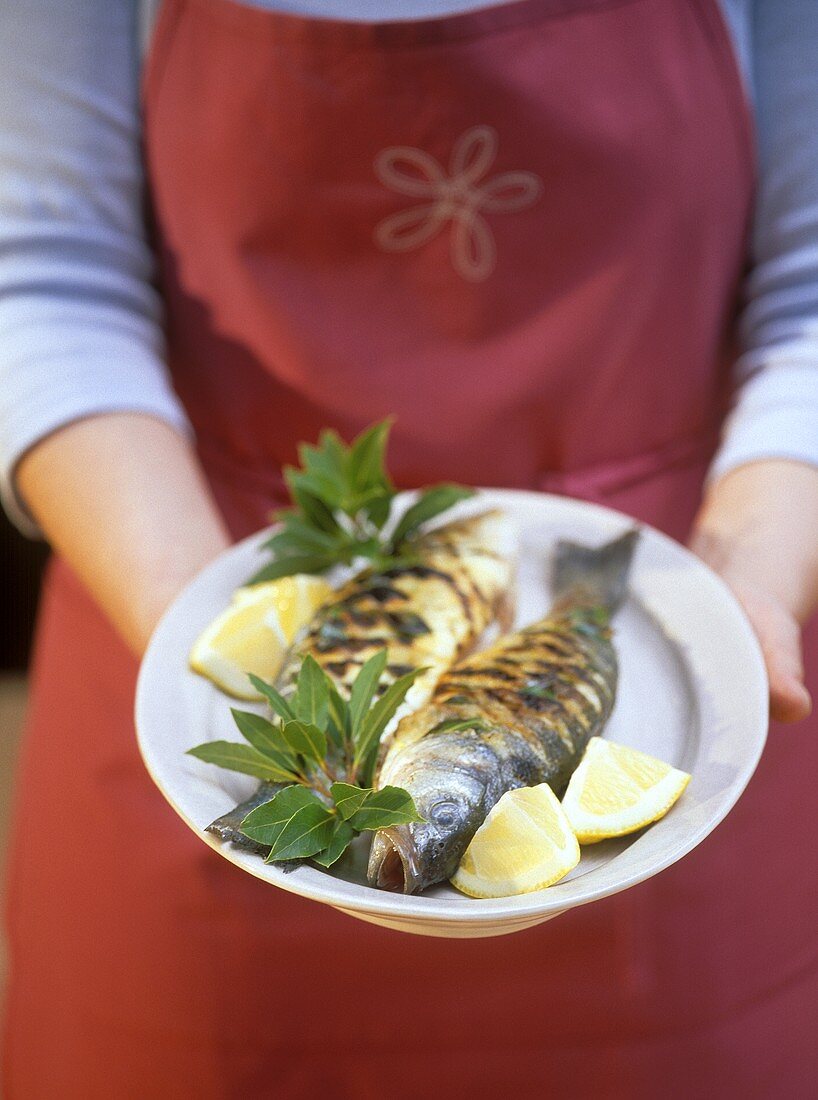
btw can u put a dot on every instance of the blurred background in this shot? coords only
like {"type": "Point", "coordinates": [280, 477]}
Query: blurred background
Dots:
{"type": "Point", "coordinates": [21, 566]}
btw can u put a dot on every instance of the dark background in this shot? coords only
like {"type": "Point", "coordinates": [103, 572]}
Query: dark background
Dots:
{"type": "Point", "coordinates": [21, 566]}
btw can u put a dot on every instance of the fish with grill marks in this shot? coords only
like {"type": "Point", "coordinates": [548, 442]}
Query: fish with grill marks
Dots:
{"type": "Point", "coordinates": [426, 613]}
{"type": "Point", "coordinates": [518, 714]}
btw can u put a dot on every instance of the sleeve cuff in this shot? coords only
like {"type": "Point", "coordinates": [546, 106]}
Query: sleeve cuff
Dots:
{"type": "Point", "coordinates": [775, 416]}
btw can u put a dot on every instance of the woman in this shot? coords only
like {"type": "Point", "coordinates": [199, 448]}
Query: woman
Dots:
{"type": "Point", "coordinates": [522, 230]}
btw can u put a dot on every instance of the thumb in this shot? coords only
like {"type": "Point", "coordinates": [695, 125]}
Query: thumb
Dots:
{"type": "Point", "coordinates": [779, 634]}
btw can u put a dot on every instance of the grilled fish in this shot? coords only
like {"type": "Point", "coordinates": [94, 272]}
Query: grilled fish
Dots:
{"type": "Point", "coordinates": [517, 714]}
{"type": "Point", "coordinates": [425, 613]}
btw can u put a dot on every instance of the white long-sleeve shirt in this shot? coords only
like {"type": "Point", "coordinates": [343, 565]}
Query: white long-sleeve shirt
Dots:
{"type": "Point", "coordinates": [80, 321]}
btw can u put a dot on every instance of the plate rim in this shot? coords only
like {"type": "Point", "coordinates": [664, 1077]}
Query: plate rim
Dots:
{"type": "Point", "coordinates": [453, 912]}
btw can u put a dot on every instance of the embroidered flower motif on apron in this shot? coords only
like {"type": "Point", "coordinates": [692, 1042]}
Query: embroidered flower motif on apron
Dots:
{"type": "Point", "coordinates": [461, 197]}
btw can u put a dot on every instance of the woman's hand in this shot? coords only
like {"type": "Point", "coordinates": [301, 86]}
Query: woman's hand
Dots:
{"type": "Point", "coordinates": [122, 498]}
{"type": "Point", "coordinates": [758, 529]}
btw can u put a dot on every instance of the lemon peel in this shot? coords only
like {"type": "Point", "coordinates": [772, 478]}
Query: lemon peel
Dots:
{"type": "Point", "coordinates": [253, 633]}
{"type": "Point", "coordinates": [616, 790]}
{"type": "Point", "coordinates": [525, 844]}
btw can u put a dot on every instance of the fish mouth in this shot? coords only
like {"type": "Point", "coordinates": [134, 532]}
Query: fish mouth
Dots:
{"type": "Point", "coordinates": [393, 861]}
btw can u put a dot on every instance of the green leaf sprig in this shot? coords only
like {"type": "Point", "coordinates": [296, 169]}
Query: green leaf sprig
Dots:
{"type": "Point", "coordinates": [342, 497]}
{"type": "Point", "coordinates": [323, 749]}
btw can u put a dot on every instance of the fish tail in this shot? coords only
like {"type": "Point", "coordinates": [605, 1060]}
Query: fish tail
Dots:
{"type": "Point", "coordinates": [593, 575]}
{"type": "Point", "coordinates": [228, 826]}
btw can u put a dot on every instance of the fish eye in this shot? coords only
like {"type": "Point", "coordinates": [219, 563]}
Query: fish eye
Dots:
{"type": "Point", "coordinates": [444, 814]}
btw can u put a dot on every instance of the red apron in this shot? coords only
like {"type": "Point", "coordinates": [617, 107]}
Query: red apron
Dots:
{"type": "Point", "coordinates": [520, 230]}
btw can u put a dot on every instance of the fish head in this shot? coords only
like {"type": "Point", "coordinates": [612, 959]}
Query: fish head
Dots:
{"type": "Point", "coordinates": [449, 783]}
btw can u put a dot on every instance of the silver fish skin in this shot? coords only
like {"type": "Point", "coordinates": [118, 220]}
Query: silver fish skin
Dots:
{"type": "Point", "coordinates": [535, 699]}
{"type": "Point", "coordinates": [425, 613]}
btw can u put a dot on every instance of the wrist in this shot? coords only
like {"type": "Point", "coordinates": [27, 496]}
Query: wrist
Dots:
{"type": "Point", "coordinates": [758, 526]}
{"type": "Point", "coordinates": [164, 578]}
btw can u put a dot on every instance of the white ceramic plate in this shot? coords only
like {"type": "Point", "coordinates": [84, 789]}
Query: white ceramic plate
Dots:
{"type": "Point", "coordinates": [692, 691]}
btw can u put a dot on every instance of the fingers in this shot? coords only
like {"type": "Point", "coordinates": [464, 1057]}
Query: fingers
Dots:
{"type": "Point", "coordinates": [789, 699]}
{"type": "Point", "coordinates": [780, 638]}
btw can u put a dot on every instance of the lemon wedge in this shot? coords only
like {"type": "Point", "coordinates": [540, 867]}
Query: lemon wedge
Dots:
{"type": "Point", "coordinates": [525, 844]}
{"type": "Point", "coordinates": [617, 790]}
{"type": "Point", "coordinates": [252, 634]}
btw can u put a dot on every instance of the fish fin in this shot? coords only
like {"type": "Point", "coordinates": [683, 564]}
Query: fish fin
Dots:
{"type": "Point", "coordinates": [593, 575]}
{"type": "Point", "coordinates": [228, 826]}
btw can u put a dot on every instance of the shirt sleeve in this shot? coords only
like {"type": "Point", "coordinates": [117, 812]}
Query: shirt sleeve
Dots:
{"type": "Point", "coordinates": [776, 408]}
{"type": "Point", "coordinates": [80, 320]}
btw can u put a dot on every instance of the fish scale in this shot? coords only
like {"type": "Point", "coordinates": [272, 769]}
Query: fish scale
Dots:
{"type": "Point", "coordinates": [516, 686]}
{"type": "Point", "coordinates": [534, 700]}
{"type": "Point", "coordinates": [399, 609]}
